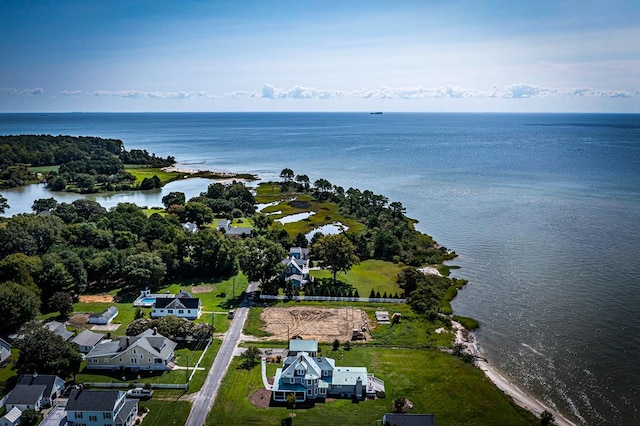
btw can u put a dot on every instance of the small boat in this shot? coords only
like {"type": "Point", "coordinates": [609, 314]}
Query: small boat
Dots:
{"type": "Point", "coordinates": [378, 112]}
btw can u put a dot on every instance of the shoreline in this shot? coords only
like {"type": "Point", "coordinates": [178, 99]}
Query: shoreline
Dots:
{"type": "Point", "coordinates": [519, 397]}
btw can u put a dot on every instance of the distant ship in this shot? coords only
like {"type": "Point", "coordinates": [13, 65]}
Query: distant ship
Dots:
{"type": "Point", "coordinates": [378, 112]}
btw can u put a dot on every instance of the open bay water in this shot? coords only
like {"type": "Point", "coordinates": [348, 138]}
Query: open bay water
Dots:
{"type": "Point", "coordinates": [542, 209]}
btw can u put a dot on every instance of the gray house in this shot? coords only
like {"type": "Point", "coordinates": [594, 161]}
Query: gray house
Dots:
{"type": "Point", "coordinates": [87, 340]}
{"type": "Point", "coordinates": [311, 377]}
{"type": "Point", "coordinates": [34, 391]}
{"type": "Point", "coordinates": [60, 329]}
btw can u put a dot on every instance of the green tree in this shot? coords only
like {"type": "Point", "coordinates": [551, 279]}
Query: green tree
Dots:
{"type": "Point", "coordinates": [29, 417]}
{"type": "Point", "coordinates": [336, 252]}
{"type": "Point", "coordinates": [261, 259]}
{"type": "Point", "coordinates": [45, 352]}
{"type": "Point", "coordinates": [250, 357]}
{"type": "Point", "coordinates": [44, 204]}
{"type": "Point", "coordinates": [261, 222]}
{"type": "Point", "coordinates": [173, 198]}
{"type": "Point", "coordinates": [287, 174]}
{"type": "Point", "coordinates": [335, 345]}
{"type": "Point", "coordinates": [61, 302]}
{"type": "Point", "coordinates": [197, 213]}
{"type": "Point", "coordinates": [22, 269]}
{"type": "Point", "coordinates": [144, 269]}
{"type": "Point", "coordinates": [303, 180]}
{"type": "Point", "coordinates": [547, 419]}
{"type": "Point", "coordinates": [291, 401]}
{"type": "Point", "coordinates": [18, 305]}
{"type": "Point", "coordinates": [138, 314]}
{"type": "Point", "coordinates": [3, 204]}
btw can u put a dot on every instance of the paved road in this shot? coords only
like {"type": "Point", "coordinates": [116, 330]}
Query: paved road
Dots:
{"type": "Point", "coordinates": [203, 401]}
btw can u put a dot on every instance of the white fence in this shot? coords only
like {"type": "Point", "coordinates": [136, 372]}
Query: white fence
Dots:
{"type": "Point", "coordinates": [334, 299]}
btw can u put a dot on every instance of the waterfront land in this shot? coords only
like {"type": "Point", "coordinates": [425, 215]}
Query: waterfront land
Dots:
{"type": "Point", "coordinates": [103, 254]}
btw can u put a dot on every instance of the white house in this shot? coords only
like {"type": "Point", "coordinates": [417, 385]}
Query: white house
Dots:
{"type": "Point", "coordinates": [183, 305]}
{"type": "Point", "coordinates": [100, 408]}
{"type": "Point", "coordinates": [104, 318]}
{"type": "Point", "coordinates": [146, 351]}
{"type": "Point", "coordinates": [311, 377]}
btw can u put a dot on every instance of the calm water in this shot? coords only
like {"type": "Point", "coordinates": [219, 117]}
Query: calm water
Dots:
{"type": "Point", "coordinates": [543, 210]}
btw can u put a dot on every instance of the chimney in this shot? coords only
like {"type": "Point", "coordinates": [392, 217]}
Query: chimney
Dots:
{"type": "Point", "coordinates": [155, 330]}
{"type": "Point", "coordinates": [128, 342]}
{"type": "Point", "coordinates": [35, 374]}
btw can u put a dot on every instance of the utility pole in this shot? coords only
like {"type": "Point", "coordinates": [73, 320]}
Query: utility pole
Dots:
{"type": "Point", "coordinates": [186, 378]}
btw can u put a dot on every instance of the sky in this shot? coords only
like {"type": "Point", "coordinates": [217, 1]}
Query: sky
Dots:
{"type": "Point", "coordinates": [423, 56]}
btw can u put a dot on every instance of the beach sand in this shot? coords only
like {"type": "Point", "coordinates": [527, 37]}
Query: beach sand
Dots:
{"type": "Point", "coordinates": [519, 396]}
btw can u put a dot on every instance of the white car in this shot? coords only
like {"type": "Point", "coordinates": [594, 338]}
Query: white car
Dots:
{"type": "Point", "coordinates": [139, 393]}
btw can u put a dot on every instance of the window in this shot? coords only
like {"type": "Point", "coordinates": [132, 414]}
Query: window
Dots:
{"type": "Point", "coordinates": [140, 356]}
{"type": "Point", "coordinates": [170, 311]}
{"type": "Point", "coordinates": [323, 390]}
{"type": "Point", "coordinates": [181, 311]}
{"type": "Point", "coordinates": [134, 351]}
{"type": "Point", "coordinates": [292, 380]}
{"type": "Point", "coordinates": [308, 382]}
{"type": "Point", "coordinates": [106, 415]}
{"type": "Point", "coordinates": [78, 415]}
{"type": "Point", "coordinates": [106, 360]}
{"type": "Point", "coordinates": [158, 361]}
{"type": "Point", "coordinates": [309, 392]}
{"type": "Point", "coordinates": [93, 418]}
{"type": "Point", "coordinates": [134, 361]}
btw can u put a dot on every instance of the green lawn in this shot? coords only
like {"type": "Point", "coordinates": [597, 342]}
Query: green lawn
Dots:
{"type": "Point", "coordinates": [377, 274]}
{"type": "Point", "coordinates": [141, 173]}
{"type": "Point", "coordinates": [165, 412]}
{"type": "Point", "coordinates": [43, 169]}
{"type": "Point", "coordinates": [456, 392]}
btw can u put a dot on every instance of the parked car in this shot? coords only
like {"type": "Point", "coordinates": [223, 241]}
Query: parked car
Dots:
{"type": "Point", "coordinates": [139, 393]}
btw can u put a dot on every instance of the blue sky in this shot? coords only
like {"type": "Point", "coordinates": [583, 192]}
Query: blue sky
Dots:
{"type": "Point", "coordinates": [512, 56]}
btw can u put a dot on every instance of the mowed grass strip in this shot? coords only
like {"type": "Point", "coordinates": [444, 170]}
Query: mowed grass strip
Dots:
{"type": "Point", "coordinates": [435, 382]}
{"type": "Point", "coordinates": [380, 275]}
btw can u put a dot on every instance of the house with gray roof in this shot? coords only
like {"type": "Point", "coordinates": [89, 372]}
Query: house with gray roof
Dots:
{"type": "Point", "coordinates": [104, 318]}
{"type": "Point", "coordinates": [183, 305]}
{"type": "Point", "coordinates": [87, 340]}
{"type": "Point", "coordinates": [60, 329]}
{"type": "Point", "coordinates": [297, 271]}
{"type": "Point", "coordinates": [34, 391]}
{"type": "Point", "coordinates": [100, 408]}
{"type": "Point", "coordinates": [147, 351]}
{"type": "Point", "coordinates": [311, 377]}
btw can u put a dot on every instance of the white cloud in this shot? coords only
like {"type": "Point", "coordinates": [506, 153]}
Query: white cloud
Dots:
{"type": "Point", "coordinates": [268, 91]}
{"type": "Point", "coordinates": [10, 91]}
{"type": "Point", "coordinates": [136, 94]}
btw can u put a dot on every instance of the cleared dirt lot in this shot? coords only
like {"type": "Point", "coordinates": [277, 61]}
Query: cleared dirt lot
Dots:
{"type": "Point", "coordinates": [322, 324]}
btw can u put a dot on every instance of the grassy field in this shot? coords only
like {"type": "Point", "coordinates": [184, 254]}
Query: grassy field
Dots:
{"type": "Point", "coordinates": [148, 172]}
{"type": "Point", "coordinates": [44, 169]}
{"type": "Point", "coordinates": [325, 212]}
{"type": "Point", "coordinates": [166, 412]}
{"type": "Point", "coordinates": [438, 383]}
{"type": "Point", "coordinates": [377, 274]}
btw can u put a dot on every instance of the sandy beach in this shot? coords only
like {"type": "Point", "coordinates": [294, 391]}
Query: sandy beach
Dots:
{"type": "Point", "coordinates": [519, 396]}
{"type": "Point", "coordinates": [220, 177]}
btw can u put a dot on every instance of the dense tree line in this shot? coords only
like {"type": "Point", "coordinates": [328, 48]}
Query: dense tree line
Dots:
{"type": "Point", "coordinates": [86, 164]}
{"type": "Point", "coordinates": [73, 247]}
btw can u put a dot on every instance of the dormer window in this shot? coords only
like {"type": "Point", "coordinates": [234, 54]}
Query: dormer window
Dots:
{"type": "Point", "coordinates": [300, 372]}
